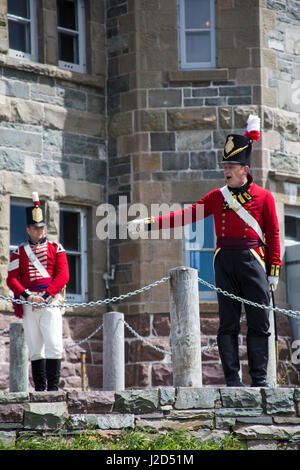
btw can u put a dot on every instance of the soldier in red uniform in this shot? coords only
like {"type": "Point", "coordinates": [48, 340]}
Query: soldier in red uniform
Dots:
{"type": "Point", "coordinates": [247, 256]}
{"type": "Point", "coordinates": [37, 273]}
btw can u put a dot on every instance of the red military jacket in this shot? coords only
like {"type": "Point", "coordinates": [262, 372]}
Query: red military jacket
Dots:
{"type": "Point", "coordinates": [258, 201]}
{"type": "Point", "coordinates": [22, 274]}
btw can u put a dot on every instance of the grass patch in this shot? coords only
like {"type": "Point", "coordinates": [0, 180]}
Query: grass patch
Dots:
{"type": "Point", "coordinates": [125, 440]}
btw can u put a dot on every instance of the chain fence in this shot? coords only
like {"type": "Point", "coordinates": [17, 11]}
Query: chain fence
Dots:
{"type": "Point", "coordinates": [288, 312]}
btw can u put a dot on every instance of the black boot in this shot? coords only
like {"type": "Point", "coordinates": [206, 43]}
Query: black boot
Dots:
{"type": "Point", "coordinates": [258, 353]}
{"type": "Point", "coordinates": [53, 374]}
{"type": "Point", "coordinates": [229, 354]}
{"type": "Point", "coordinates": [38, 369]}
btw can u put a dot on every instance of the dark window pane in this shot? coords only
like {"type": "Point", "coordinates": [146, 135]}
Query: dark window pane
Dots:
{"type": "Point", "coordinates": [69, 230]}
{"type": "Point", "coordinates": [198, 47]}
{"type": "Point", "coordinates": [19, 36]}
{"type": "Point", "coordinates": [292, 227]}
{"type": "Point", "coordinates": [197, 14]}
{"type": "Point", "coordinates": [67, 14]}
{"type": "Point", "coordinates": [18, 232]}
{"type": "Point", "coordinates": [68, 48]}
{"type": "Point", "coordinates": [19, 8]}
{"type": "Point", "coordinates": [74, 283]}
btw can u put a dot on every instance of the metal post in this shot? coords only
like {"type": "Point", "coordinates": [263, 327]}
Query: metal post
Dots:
{"type": "Point", "coordinates": [113, 351]}
{"type": "Point", "coordinates": [18, 359]}
{"type": "Point", "coordinates": [185, 327]}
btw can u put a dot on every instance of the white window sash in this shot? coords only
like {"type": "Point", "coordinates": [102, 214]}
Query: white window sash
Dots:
{"type": "Point", "coordinates": [182, 39]}
{"type": "Point", "coordinates": [32, 21]}
{"type": "Point", "coordinates": [80, 33]}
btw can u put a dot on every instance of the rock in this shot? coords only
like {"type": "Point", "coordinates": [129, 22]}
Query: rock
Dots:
{"type": "Point", "coordinates": [15, 397]}
{"type": "Point", "coordinates": [103, 421]}
{"type": "Point", "coordinates": [191, 119]}
{"type": "Point", "coordinates": [141, 401]}
{"type": "Point", "coordinates": [167, 395]}
{"type": "Point", "coordinates": [45, 415]}
{"type": "Point", "coordinates": [236, 397]}
{"type": "Point", "coordinates": [279, 400]}
{"type": "Point", "coordinates": [11, 413]}
{"type": "Point", "coordinates": [195, 398]}
{"type": "Point", "coordinates": [267, 432]}
{"type": "Point", "coordinates": [90, 402]}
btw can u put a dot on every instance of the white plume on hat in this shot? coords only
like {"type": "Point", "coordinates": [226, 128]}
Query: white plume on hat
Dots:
{"type": "Point", "coordinates": [35, 198]}
{"type": "Point", "coordinates": [253, 127]}
{"type": "Point", "coordinates": [253, 123]}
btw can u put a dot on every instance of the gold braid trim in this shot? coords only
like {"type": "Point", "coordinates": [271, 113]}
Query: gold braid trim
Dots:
{"type": "Point", "coordinates": [234, 152]}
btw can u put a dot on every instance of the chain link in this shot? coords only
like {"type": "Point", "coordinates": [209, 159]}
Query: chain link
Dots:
{"type": "Point", "coordinates": [143, 340]}
{"type": "Point", "coordinates": [291, 313]}
{"type": "Point", "coordinates": [87, 304]}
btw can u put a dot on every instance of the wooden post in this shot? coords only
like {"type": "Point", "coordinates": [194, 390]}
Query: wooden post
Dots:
{"type": "Point", "coordinates": [272, 362]}
{"type": "Point", "coordinates": [185, 327]}
{"type": "Point", "coordinates": [113, 351]}
{"type": "Point", "coordinates": [18, 359]}
{"type": "Point", "coordinates": [83, 370]}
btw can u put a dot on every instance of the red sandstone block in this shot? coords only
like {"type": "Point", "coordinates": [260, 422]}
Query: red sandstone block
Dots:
{"type": "Point", "coordinates": [11, 413]}
{"type": "Point", "coordinates": [161, 325]}
{"type": "Point", "coordinates": [162, 375]}
{"type": "Point", "coordinates": [137, 375]}
{"type": "Point", "coordinates": [141, 352]}
{"type": "Point", "coordinates": [140, 324]}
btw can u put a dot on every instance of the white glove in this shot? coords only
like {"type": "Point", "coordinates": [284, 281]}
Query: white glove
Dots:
{"type": "Point", "coordinates": [136, 226]}
{"type": "Point", "coordinates": [273, 281]}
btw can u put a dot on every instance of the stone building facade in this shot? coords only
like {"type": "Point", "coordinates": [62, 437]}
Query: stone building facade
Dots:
{"type": "Point", "coordinates": [138, 128]}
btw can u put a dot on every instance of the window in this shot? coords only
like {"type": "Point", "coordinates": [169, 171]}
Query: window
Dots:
{"type": "Point", "coordinates": [22, 29]}
{"type": "Point", "coordinates": [198, 253]}
{"type": "Point", "coordinates": [71, 34]}
{"type": "Point", "coordinates": [197, 34]}
{"type": "Point", "coordinates": [18, 232]}
{"type": "Point", "coordinates": [292, 225]}
{"type": "Point", "coordinates": [73, 239]}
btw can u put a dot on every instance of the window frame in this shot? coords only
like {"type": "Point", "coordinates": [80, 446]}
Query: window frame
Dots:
{"type": "Point", "coordinates": [291, 211]}
{"type": "Point", "coordinates": [184, 65]}
{"type": "Point", "coordinates": [208, 295]}
{"type": "Point", "coordinates": [32, 21]}
{"type": "Point", "coordinates": [81, 34]}
{"type": "Point", "coordinates": [71, 297]}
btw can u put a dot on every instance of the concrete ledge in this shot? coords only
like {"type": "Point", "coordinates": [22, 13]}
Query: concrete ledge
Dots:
{"type": "Point", "coordinates": [199, 75]}
{"type": "Point", "coordinates": [263, 418]}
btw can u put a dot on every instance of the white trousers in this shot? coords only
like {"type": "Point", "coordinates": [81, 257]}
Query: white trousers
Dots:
{"type": "Point", "coordinates": [43, 332]}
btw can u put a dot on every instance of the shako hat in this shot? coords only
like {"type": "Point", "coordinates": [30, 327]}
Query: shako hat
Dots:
{"type": "Point", "coordinates": [35, 214]}
{"type": "Point", "coordinates": [237, 147]}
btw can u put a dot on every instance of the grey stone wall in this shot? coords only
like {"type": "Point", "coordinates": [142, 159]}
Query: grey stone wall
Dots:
{"type": "Point", "coordinates": [52, 127]}
{"type": "Point", "coordinates": [282, 38]}
{"type": "Point", "coordinates": [263, 419]}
